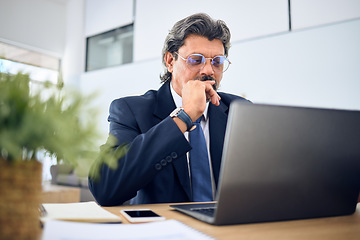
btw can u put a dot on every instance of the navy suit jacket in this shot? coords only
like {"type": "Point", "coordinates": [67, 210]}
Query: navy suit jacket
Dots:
{"type": "Point", "coordinates": [155, 168]}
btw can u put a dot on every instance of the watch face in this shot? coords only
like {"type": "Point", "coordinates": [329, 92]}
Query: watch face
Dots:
{"type": "Point", "coordinates": [175, 112]}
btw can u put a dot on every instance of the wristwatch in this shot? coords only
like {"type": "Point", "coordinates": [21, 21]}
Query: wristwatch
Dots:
{"type": "Point", "coordinates": [180, 113]}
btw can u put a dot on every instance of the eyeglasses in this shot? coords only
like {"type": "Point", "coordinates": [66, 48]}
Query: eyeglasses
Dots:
{"type": "Point", "coordinates": [196, 62]}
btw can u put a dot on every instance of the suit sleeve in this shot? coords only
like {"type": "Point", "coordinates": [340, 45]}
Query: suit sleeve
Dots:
{"type": "Point", "coordinates": [142, 162]}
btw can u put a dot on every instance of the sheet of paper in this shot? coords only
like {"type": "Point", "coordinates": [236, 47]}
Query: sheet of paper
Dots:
{"type": "Point", "coordinates": [161, 230]}
{"type": "Point", "coordinates": [80, 212]}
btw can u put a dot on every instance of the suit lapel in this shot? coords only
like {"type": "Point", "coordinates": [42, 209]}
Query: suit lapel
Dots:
{"type": "Point", "coordinates": [217, 127]}
{"type": "Point", "coordinates": [164, 102]}
{"type": "Point", "coordinates": [164, 106]}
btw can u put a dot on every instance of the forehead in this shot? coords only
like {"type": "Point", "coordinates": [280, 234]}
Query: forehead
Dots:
{"type": "Point", "coordinates": [202, 45]}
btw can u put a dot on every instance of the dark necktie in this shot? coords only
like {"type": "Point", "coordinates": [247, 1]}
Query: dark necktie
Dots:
{"type": "Point", "coordinates": [199, 165]}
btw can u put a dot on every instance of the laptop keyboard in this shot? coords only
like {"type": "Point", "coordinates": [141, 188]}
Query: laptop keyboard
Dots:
{"type": "Point", "coordinates": [209, 211]}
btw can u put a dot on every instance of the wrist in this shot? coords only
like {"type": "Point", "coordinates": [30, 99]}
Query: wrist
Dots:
{"type": "Point", "coordinates": [184, 117]}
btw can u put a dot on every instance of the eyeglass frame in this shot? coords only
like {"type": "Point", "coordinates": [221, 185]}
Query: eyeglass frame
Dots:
{"type": "Point", "coordinates": [211, 62]}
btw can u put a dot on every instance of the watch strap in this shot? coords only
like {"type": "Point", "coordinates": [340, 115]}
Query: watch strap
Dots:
{"type": "Point", "coordinates": [183, 116]}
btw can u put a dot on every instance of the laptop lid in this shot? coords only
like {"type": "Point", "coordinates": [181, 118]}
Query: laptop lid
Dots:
{"type": "Point", "coordinates": [285, 163]}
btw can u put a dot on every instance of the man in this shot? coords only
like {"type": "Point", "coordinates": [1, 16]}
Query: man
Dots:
{"type": "Point", "coordinates": [158, 166]}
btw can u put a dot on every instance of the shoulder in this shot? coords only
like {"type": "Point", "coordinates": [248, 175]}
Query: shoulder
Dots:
{"type": "Point", "coordinates": [131, 106]}
{"type": "Point", "coordinates": [133, 101]}
{"type": "Point", "coordinates": [144, 102]}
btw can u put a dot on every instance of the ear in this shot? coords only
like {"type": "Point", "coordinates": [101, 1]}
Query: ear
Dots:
{"type": "Point", "coordinates": [169, 61]}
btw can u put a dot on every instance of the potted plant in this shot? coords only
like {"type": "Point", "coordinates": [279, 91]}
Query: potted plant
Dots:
{"type": "Point", "coordinates": [61, 126]}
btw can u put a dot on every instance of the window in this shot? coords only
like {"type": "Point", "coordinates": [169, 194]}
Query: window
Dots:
{"type": "Point", "coordinates": [41, 67]}
{"type": "Point", "coordinates": [110, 49]}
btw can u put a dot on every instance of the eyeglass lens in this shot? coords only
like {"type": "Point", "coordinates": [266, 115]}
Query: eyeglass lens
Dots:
{"type": "Point", "coordinates": [197, 61]}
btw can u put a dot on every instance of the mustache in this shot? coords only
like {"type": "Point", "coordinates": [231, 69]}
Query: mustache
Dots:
{"type": "Point", "coordinates": [208, 77]}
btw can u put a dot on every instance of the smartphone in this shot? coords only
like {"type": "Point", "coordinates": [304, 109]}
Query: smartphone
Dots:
{"type": "Point", "coordinates": [140, 215]}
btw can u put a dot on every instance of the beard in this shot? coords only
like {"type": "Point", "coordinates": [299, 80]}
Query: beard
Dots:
{"type": "Point", "coordinates": [206, 78]}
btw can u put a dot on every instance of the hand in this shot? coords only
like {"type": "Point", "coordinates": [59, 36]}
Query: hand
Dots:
{"type": "Point", "coordinates": [194, 96]}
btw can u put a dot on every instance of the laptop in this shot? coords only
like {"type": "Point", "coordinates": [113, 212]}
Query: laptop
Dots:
{"type": "Point", "coordinates": [285, 163]}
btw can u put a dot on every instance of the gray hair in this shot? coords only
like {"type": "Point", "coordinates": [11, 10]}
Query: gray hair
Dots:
{"type": "Point", "coordinates": [199, 24]}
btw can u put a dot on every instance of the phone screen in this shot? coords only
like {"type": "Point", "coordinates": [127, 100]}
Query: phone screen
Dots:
{"type": "Point", "coordinates": [141, 213]}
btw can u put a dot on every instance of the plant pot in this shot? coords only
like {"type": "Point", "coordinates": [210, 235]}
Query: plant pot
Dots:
{"type": "Point", "coordinates": [20, 196]}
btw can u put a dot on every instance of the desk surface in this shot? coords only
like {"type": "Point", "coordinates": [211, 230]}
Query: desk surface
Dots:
{"type": "Point", "coordinates": [344, 227]}
{"type": "Point", "coordinates": [59, 194]}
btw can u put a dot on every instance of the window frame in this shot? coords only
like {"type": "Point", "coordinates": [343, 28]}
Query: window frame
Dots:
{"type": "Point", "coordinates": [115, 30]}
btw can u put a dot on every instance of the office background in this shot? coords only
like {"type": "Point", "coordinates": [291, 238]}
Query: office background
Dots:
{"type": "Point", "coordinates": [289, 52]}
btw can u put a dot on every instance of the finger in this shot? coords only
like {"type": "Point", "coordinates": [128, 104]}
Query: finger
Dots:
{"type": "Point", "coordinates": [212, 94]}
{"type": "Point", "coordinates": [215, 100]}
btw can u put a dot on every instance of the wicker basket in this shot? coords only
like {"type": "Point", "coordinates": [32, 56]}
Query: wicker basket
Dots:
{"type": "Point", "coordinates": [20, 194]}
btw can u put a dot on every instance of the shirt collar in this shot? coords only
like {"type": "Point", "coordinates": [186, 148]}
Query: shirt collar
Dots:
{"type": "Point", "coordinates": [178, 101]}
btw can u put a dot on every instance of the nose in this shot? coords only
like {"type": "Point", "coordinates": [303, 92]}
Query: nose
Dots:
{"type": "Point", "coordinates": [207, 69]}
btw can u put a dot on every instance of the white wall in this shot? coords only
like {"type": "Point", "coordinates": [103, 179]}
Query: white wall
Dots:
{"type": "Point", "coordinates": [309, 13]}
{"type": "Point", "coordinates": [37, 25]}
{"type": "Point", "coordinates": [316, 67]}
{"type": "Point", "coordinates": [73, 61]}
{"type": "Point", "coordinates": [105, 15]}
{"type": "Point", "coordinates": [246, 19]}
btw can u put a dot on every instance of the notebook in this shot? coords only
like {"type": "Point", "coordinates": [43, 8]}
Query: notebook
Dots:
{"type": "Point", "coordinates": [285, 163]}
{"type": "Point", "coordinates": [77, 212]}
